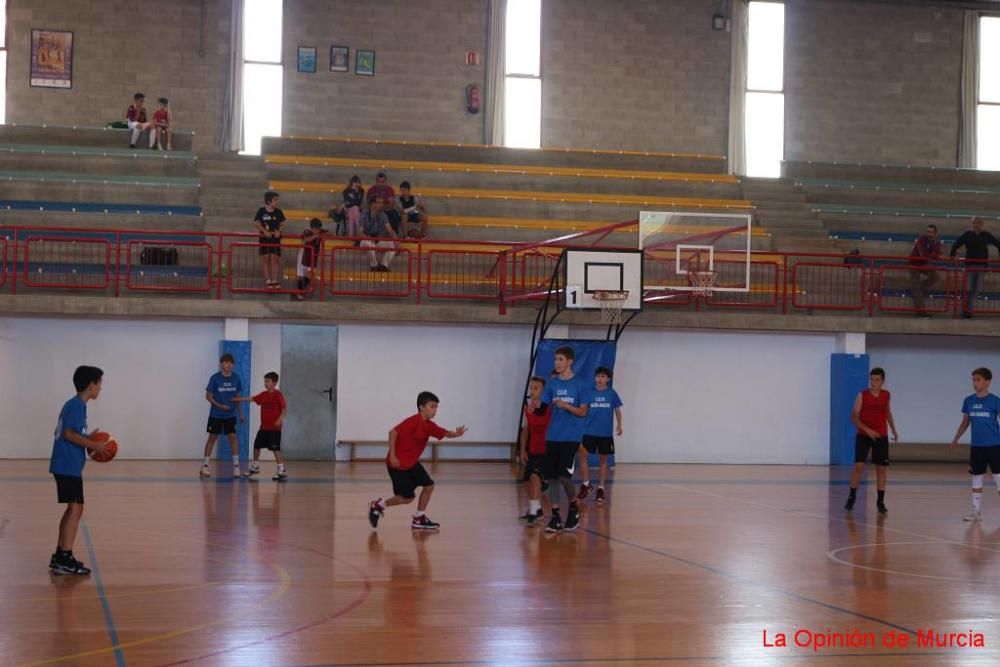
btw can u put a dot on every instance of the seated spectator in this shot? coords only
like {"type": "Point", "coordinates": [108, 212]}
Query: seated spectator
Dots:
{"type": "Point", "coordinates": [377, 228]}
{"type": "Point", "coordinates": [926, 249]}
{"type": "Point", "coordinates": [308, 258]}
{"type": "Point", "coordinates": [415, 215]}
{"type": "Point", "coordinates": [135, 117]}
{"type": "Point", "coordinates": [382, 190]}
{"type": "Point", "coordinates": [354, 196]}
{"type": "Point", "coordinates": [163, 124]}
{"type": "Point", "coordinates": [977, 254]}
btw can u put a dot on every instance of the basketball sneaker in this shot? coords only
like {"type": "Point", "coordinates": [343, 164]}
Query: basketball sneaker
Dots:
{"type": "Point", "coordinates": [374, 512]}
{"type": "Point", "coordinates": [881, 508]}
{"type": "Point", "coordinates": [555, 524]}
{"type": "Point", "coordinates": [533, 519]}
{"type": "Point", "coordinates": [254, 469]}
{"type": "Point", "coordinates": [66, 564]}
{"type": "Point", "coordinates": [849, 505]}
{"type": "Point", "coordinates": [237, 473]}
{"type": "Point", "coordinates": [585, 489]}
{"type": "Point", "coordinates": [424, 523]}
{"type": "Point", "coordinates": [573, 518]}
{"type": "Point", "coordinates": [204, 472]}
{"type": "Point", "coordinates": [973, 516]}
{"type": "Point", "coordinates": [280, 476]}
{"type": "Point", "coordinates": [600, 495]}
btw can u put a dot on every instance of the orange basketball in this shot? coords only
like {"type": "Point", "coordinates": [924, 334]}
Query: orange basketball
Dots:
{"type": "Point", "coordinates": [110, 447]}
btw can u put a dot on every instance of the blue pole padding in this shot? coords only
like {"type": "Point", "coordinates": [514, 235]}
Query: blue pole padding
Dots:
{"type": "Point", "coordinates": [240, 349]}
{"type": "Point", "coordinates": [848, 376]}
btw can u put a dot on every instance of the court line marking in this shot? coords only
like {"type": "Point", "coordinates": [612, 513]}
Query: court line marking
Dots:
{"type": "Point", "coordinates": [109, 620]}
{"type": "Point", "coordinates": [832, 555]}
{"type": "Point", "coordinates": [283, 586]}
{"type": "Point", "coordinates": [758, 584]}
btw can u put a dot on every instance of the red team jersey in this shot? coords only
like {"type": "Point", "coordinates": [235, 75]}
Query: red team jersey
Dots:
{"type": "Point", "coordinates": [875, 411]}
{"type": "Point", "coordinates": [271, 404]}
{"type": "Point", "coordinates": [536, 429]}
{"type": "Point", "coordinates": [412, 435]}
{"type": "Point", "coordinates": [161, 118]}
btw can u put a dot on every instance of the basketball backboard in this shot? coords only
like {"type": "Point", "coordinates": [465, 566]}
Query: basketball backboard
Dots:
{"type": "Point", "coordinates": [591, 271]}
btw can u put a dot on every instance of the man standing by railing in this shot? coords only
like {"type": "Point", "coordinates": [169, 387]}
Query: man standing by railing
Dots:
{"type": "Point", "coordinates": [977, 244]}
{"type": "Point", "coordinates": [926, 249]}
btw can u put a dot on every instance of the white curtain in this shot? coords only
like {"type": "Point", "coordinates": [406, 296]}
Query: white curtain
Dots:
{"type": "Point", "coordinates": [969, 90]}
{"type": "Point", "coordinates": [737, 86]}
{"type": "Point", "coordinates": [232, 115]}
{"type": "Point", "coordinates": [495, 67]}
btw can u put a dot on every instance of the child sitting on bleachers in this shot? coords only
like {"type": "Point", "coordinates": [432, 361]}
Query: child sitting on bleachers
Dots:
{"type": "Point", "coordinates": [163, 124]}
{"type": "Point", "coordinates": [415, 218]}
{"type": "Point", "coordinates": [135, 117]}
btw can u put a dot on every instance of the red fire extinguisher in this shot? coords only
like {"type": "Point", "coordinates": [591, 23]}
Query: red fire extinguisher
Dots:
{"type": "Point", "coordinates": [472, 98]}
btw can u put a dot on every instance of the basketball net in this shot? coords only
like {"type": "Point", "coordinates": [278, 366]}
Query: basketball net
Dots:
{"type": "Point", "coordinates": [702, 282]}
{"type": "Point", "coordinates": [612, 305]}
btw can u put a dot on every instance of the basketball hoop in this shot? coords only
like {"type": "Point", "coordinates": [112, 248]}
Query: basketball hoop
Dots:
{"type": "Point", "coordinates": [702, 282]}
{"type": "Point", "coordinates": [612, 304]}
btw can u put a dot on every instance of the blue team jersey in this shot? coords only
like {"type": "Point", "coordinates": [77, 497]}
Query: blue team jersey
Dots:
{"type": "Point", "coordinates": [67, 458]}
{"type": "Point", "coordinates": [224, 390]}
{"type": "Point", "coordinates": [983, 418]}
{"type": "Point", "coordinates": [564, 426]}
{"type": "Point", "coordinates": [600, 420]}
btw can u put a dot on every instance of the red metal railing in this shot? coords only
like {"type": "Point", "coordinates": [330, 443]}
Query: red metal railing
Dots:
{"type": "Point", "coordinates": [217, 265]}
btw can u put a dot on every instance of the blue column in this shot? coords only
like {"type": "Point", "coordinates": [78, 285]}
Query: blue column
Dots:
{"type": "Point", "coordinates": [848, 376]}
{"type": "Point", "coordinates": [240, 349]}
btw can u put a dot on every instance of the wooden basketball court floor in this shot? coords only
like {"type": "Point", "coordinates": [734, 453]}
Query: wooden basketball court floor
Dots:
{"type": "Point", "coordinates": [686, 564]}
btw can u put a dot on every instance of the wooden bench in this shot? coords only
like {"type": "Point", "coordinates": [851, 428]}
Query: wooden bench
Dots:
{"type": "Point", "coordinates": [434, 445]}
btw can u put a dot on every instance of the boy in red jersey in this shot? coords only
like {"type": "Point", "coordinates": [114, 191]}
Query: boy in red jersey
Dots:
{"type": "Point", "coordinates": [871, 414]}
{"type": "Point", "coordinates": [272, 414]}
{"type": "Point", "coordinates": [533, 448]}
{"type": "Point", "coordinates": [407, 441]}
{"type": "Point", "coordinates": [163, 122]}
{"type": "Point", "coordinates": [135, 118]}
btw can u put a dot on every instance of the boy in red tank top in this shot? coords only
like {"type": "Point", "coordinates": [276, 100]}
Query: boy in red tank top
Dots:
{"type": "Point", "coordinates": [533, 448]}
{"type": "Point", "coordinates": [873, 418]}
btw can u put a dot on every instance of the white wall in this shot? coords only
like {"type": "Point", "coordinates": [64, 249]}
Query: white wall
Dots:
{"type": "Point", "coordinates": [153, 396]}
{"type": "Point", "coordinates": [928, 377]}
{"type": "Point", "coordinates": [691, 396]}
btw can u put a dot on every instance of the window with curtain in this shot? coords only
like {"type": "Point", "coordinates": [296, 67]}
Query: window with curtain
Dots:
{"type": "Point", "coordinates": [262, 72]}
{"type": "Point", "coordinates": [988, 107]}
{"type": "Point", "coordinates": [523, 75]}
{"type": "Point", "coordinates": [765, 93]}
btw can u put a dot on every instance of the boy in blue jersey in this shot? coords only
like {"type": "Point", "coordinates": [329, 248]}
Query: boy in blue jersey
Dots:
{"type": "Point", "coordinates": [605, 408]}
{"type": "Point", "coordinates": [566, 395]}
{"type": "Point", "coordinates": [66, 465]}
{"type": "Point", "coordinates": [222, 391]}
{"type": "Point", "coordinates": [980, 410]}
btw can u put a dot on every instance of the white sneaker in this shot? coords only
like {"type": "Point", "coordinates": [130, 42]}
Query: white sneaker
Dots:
{"type": "Point", "coordinates": [236, 471]}
{"type": "Point", "coordinates": [973, 516]}
{"type": "Point", "coordinates": [251, 471]}
{"type": "Point", "coordinates": [280, 476]}
{"type": "Point", "coordinates": [205, 472]}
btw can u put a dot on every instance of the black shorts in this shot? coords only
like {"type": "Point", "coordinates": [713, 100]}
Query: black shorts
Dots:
{"type": "Point", "coordinates": [981, 457]}
{"type": "Point", "coordinates": [405, 482]}
{"type": "Point", "coordinates": [69, 488]}
{"type": "Point", "coordinates": [219, 426]}
{"type": "Point", "coordinates": [268, 440]}
{"type": "Point", "coordinates": [596, 444]}
{"type": "Point", "coordinates": [560, 459]}
{"type": "Point", "coordinates": [879, 449]}
{"type": "Point", "coordinates": [534, 466]}
{"type": "Point", "coordinates": [270, 247]}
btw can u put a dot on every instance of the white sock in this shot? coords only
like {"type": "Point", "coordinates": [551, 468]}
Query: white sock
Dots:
{"type": "Point", "coordinates": [418, 514]}
{"type": "Point", "coordinates": [996, 478]}
{"type": "Point", "coordinates": [204, 461]}
{"type": "Point", "coordinates": [281, 467]}
{"type": "Point", "coordinates": [977, 501]}
{"type": "Point", "coordinates": [534, 506]}
{"type": "Point", "coordinates": [236, 460]}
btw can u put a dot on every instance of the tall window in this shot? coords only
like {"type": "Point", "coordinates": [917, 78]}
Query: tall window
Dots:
{"type": "Point", "coordinates": [262, 74]}
{"type": "Point", "coordinates": [765, 96]}
{"type": "Point", "coordinates": [3, 61]}
{"type": "Point", "coordinates": [523, 75]}
{"type": "Point", "coordinates": [988, 111]}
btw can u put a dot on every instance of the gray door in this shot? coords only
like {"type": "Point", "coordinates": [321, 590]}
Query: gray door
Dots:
{"type": "Point", "coordinates": [309, 383]}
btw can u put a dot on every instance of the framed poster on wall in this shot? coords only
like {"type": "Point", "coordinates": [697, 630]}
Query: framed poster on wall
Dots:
{"type": "Point", "coordinates": [51, 59]}
{"type": "Point", "coordinates": [364, 63]}
{"type": "Point", "coordinates": [307, 59]}
{"type": "Point", "coordinates": [340, 58]}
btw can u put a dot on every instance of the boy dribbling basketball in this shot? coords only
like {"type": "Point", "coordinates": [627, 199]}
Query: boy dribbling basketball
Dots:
{"type": "Point", "coordinates": [533, 448]}
{"type": "Point", "coordinates": [69, 454]}
{"type": "Point", "coordinates": [871, 415]}
{"type": "Point", "coordinates": [980, 410]}
{"type": "Point", "coordinates": [407, 441]}
{"type": "Point", "coordinates": [566, 396]}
